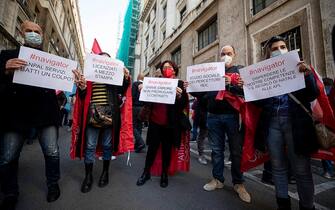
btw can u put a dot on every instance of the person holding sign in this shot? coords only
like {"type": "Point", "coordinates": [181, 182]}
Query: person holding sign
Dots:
{"type": "Point", "coordinates": [23, 108]}
{"type": "Point", "coordinates": [99, 118]}
{"type": "Point", "coordinates": [288, 133]}
{"type": "Point", "coordinates": [165, 127]}
{"type": "Point", "coordinates": [223, 120]}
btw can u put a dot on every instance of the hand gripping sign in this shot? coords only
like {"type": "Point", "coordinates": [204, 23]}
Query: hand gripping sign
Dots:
{"type": "Point", "coordinates": [102, 69]}
{"type": "Point", "coordinates": [206, 77]}
{"type": "Point", "coordinates": [273, 77]}
{"type": "Point", "coordinates": [45, 70]}
{"type": "Point", "coordinates": [159, 90]}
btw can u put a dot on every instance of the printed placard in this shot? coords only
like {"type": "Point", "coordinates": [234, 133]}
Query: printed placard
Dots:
{"type": "Point", "coordinates": [206, 77]}
{"type": "Point", "coordinates": [45, 70]}
{"type": "Point", "coordinates": [159, 90]}
{"type": "Point", "coordinates": [103, 69]}
{"type": "Point", "coordinates": [273, 77]}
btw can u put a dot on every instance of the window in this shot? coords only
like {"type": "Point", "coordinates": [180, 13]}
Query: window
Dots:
{"type": "Point", "coordinates": [147, 41]}
{"type": "Point", "coordinates": [207, 35]}
{"type": "Point", "coordinates": [259, 5]}
{"type": "Point", "coordinates": [182, 13]}
{"type": "Point", "coordinates": [164, 11]}
{"type": "Point", "coordinates": [153, 32]}
{"type": "Point", "coordinates": [176, 56]}
{"type": "Point", "coordinates": [293, 40]}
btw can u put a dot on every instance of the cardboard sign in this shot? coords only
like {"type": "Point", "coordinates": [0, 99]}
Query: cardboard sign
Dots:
{"type": "Point", "coordinates": [45, 70]}
{"type": "Point", "coordinates": [159, 90]}
{"type": "Point", "coordinates": [206, 77]}
{"type": "Point", "coordinates": [102, 69]}
{"type": "Point", "coordinates": [273, 77]}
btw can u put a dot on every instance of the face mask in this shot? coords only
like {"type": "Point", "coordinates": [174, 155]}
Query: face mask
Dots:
{"type": "Point", "coordinates": [278, 52]}
{"type": "Point", "coordinates": [168, 73]}
{"type": "Point", "coordinates": [227, 59]}
{"type": "Point", "coordinates": [32, 39]}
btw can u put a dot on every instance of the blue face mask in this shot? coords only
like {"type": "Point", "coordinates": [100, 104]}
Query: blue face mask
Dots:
{"type": "Point", "coordinates": [32, 39]}
{"type": "Point", "coordinates": [278, 52]}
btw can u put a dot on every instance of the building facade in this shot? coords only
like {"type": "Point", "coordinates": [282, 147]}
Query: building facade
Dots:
{"type": "Point", "coordinates": [193, 31]}
{"type": "Point", "coordinates": [126, 51]}
{"type": "Point", "coordinates": [60, 21]}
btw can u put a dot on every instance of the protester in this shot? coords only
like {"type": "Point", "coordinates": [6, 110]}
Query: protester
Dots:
{"type": "Point", "coordinates": [62, 101]}
{"type": "Point", "coordinates": [222, 120]}
{"type": "Point", "coordinates": [103, 100]}
{"type": "Point", "coordinates": [137, 106]}
{"type": "Point", "coordinates": [24, 108]}
{"type": "Point", "coordinates": [165, 127]}
{"type": "Point", "coordinates": [287, 131]}
{"type": "Point", "coordinates": [200, 121]}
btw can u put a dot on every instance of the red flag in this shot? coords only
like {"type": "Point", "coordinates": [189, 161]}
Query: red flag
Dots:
{"type": "Point", "coordinates": [323, 111]}
{"type": "Point", "coordinates": [96, 47]}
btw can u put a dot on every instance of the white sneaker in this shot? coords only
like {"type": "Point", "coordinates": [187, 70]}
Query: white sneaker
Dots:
{"type": "Point", "coordinates": [213, 184]}
{"type": "Point", "coordinates": [113, 158]}
{"type": "Point", "coordinates": [227, 162]}
{"type": "Point", "coordinates": [202, 160]}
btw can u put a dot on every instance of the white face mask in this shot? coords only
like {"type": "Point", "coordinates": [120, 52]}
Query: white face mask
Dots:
{"type": "Point", "coordinates": [227, 59]}
{"type": "Point", "coordinates": [278, 52]}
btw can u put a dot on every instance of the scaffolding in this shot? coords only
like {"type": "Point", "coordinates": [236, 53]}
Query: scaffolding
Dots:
{"type": "Point", "coordinates": [126, 51]}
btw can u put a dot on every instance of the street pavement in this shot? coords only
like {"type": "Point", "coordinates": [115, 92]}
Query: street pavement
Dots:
{"type": "Point", "coordinates": [184, 191]}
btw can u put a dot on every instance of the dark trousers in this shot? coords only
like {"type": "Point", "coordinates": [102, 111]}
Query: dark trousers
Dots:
{"type": "Point", "coordinates": [137, 124]}
{"type": "Point", "coordinates": [158, 135]}
{"type": "Point", "coordinates": [11, 144]}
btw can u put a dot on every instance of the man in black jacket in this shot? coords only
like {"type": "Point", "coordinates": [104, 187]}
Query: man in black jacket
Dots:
{"type": "Point", "coordinates": [137, 106]}
{"type": "Point", "coordinates": [222, 121]}
{"type": "Point", "coordinates": [22, 108]}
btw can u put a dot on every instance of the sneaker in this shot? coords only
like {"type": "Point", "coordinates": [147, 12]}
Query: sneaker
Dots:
{"type": "Point", "coordinates": [328, 175]}
{"type": "Point", "coordinates": [213, 184]}
{"type": "Point", "coordinates": [113, 157]}
{"type": "Point", "coordinates": [227, 162]}
{"type": "Point", "coordinates": [242, 193]}
{"type": "Point", "coordinates": [202, 160]}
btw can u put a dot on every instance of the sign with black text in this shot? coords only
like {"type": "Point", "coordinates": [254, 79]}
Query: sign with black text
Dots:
{"type": "Point", "coordinates": [103, 69]}
{"type": "Point", "coordinates": [159, 90]}
{"type": "Point", "coordinates": [273, 77]}
{"type": "Point", "coordinates": [45, 70]}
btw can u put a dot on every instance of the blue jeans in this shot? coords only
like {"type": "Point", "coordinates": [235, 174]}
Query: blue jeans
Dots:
{"type": "Point", "coordinates": [92, 136]}
{"type": "Point", "coordinates": [281, 148]}
{"type": "Point", "coordinates": [10, 148]}
{"type": "Point", "coordinates": [328, 167]}
{"type": "Point", "coordinates": [218, 127]}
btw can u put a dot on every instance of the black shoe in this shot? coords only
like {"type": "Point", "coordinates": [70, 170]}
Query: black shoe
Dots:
{"type": "Point", "coordinates": [284, 203]}
{"type": "Point", "coordinates": [268, 181]}
{"type": "Point", "coordinates": [164, 180]}
{"type": "Point", "coordinates": [86, 186]}
{"type": "Point", "coordinates": [145, 177]}
{"type": "Point", "coordinates": [53, 193]}
{"type": "Point", "coordinates": [304, 208]}
{"type": "Point", "coordinates": [292, 180]}
{"type": "Point", "coordinates": [103, 181]}
{"type": "Point", "coordinates": [140, 148]}
{"type": "Point", "coordinates": [9, 203]}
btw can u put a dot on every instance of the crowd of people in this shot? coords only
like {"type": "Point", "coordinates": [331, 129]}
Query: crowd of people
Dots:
{"type": "Point", "coordinates": [284, 130]}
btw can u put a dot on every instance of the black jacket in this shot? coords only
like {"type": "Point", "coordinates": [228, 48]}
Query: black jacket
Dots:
{"type": "Point", "coordinates": [304, 136]}
{"type": "Point", "coordinates": [221, 106]}
{"type": "Point", "coordinates": [136, 94]}
{"type": "Point", "coordinates": [23, 106]}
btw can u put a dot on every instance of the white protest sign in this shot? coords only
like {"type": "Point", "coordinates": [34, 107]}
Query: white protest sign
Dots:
{"type": "Point", "coordinates": [159, 90]}
{"type": "Point", "coordinates": [45, 70]}
{"type": "Point", "coordinates": [206, 77]}
{"type": "Point", "coordinates": [273, 77]}
{"type": "Point", "coordinates": [103, 69]}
